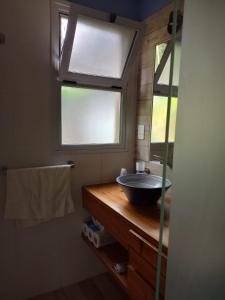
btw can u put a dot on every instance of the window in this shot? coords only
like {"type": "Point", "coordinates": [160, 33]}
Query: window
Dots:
{"type": "Point", "coordinates": [90, 116]}
{"type": "Point", "coordinates": [95, 51]}
{"type": "Point", "coordinates": [98, 48]}
{"type": "Point", "coordinates": [160, 99]}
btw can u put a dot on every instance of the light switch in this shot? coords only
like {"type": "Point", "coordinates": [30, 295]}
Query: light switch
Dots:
{"type": "Point", "coordinates": [141, 132]}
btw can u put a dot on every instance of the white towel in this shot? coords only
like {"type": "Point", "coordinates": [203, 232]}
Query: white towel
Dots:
{"type": "Point", "coordinates": [36, 195]}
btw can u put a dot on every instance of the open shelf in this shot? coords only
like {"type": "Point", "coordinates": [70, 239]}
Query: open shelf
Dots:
{"type": "Point", "coordinates": [110, 255]}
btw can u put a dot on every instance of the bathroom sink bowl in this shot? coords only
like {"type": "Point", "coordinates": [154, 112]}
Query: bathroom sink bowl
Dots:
{"type": "Point", "coordinates": [142, 189]}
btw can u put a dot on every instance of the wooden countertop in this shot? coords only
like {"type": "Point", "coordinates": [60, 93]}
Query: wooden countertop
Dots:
{"type": "Point", "coordinates": [146, 219]}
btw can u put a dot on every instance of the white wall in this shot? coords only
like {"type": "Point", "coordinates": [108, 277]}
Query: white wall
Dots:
{"type": "Point", "coordinates": [196, 267]}
{"type": "Point", "coordinates": [52, 255]}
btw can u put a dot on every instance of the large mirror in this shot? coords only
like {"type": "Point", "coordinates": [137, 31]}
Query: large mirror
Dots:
{"type": "Point", "coordinates": [161, 90]}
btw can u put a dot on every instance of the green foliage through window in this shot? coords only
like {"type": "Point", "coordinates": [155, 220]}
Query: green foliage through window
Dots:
{"type": "Point", "coordinates": [159, 119]}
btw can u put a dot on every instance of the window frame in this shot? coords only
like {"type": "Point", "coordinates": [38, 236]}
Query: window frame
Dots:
{"type": "Point", "coordinates": [121, 144]}
{"type": "Point", "coordinates": [65, 74]}
{"type": "Point", "coordinates": [58, 8]}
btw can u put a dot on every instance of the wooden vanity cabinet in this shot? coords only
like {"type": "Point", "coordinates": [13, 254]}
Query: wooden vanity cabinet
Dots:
{"type": "Point", "coordinates": [143, 261]}
{"type": "Point", "coordinates": [138, 288]}
{"type": "Point", "coordinates": [137, 231]}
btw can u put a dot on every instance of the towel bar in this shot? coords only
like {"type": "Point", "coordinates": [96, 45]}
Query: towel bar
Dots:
{"type": "Point", "coordinates": [71, 163]}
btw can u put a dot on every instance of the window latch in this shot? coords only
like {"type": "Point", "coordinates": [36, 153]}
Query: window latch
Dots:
{"type": "Point", "coordinates": [116, 87]}
{"type": "Point", "coordinates": [113, 17]}
{"type": "Point", "coordinates": [2, 38]}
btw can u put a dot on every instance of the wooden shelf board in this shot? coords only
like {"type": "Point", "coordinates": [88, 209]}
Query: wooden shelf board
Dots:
{"type": "Point", "coordinates": [110, 255]}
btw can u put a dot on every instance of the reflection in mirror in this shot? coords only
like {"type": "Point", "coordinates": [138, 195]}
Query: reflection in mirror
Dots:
{"type": "Point", "coordinates": [160, 100]}
{"type": "Point", "coordinates": [164, 78]}
{"type": "Point", "coordinates": [159, 51]}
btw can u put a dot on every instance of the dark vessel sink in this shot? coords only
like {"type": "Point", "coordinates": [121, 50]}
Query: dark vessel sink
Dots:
{"type": "Point", "coordinates": [142, 189]}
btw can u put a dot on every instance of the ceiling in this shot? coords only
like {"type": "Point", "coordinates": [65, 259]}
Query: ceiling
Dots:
{"type": "Point", "coordinates": [133, 9]}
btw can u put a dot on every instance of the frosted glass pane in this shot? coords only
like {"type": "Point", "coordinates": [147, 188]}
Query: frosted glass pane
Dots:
{"type": "Point", "coordinates": [100, 48]}
{"type": "Point", "coordinates": [63, 29]}
{"type": "Point", "coordinates": [159, 119]}
{"type": "Point", "coordinates": [159, 51]}
{"type": "Point", "coordinates": [164, 78]}
{"type": "Point", "coordinates": [90, 116]}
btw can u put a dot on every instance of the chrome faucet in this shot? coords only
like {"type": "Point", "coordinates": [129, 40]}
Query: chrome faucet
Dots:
{"type": "Point", "coordinates": [147, 171]}
{"type": "Point", "coordinates": [160, 159]}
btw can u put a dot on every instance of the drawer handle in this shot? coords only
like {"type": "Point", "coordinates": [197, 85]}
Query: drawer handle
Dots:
{"type": "Point", "coordinates": [143, 240]}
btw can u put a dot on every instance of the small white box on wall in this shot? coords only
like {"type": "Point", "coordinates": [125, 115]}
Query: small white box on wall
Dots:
{"type": "Point", "coordinates": [141, 132]}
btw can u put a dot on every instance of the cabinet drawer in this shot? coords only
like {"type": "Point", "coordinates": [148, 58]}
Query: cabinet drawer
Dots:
{"type": "Point", "coordinates": [135, 241]}
{"type": "Point", "coordinates": [146, 271]}
{"type": "Point", "coordinates": [150, 253]}
{"type": "Point", "coordinates": [138, 289]}
{"type": "Point", "coordinates": [146, 250]}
